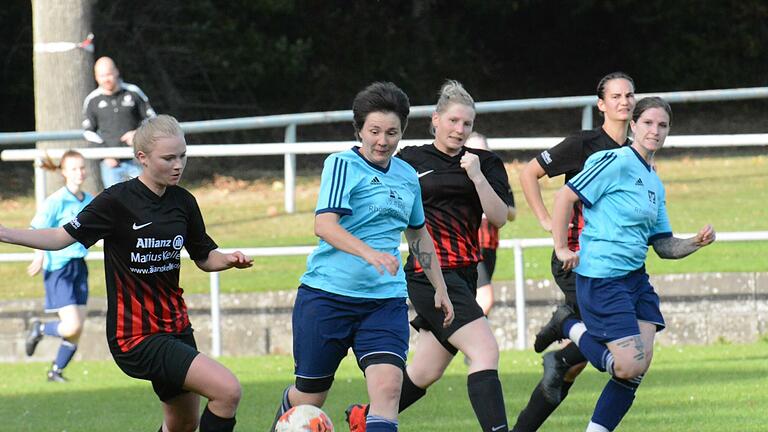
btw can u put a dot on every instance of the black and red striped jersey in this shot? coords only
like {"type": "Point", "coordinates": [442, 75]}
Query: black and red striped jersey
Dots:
{"type": "Point", "coordinates": [568, 157]}
{"type": "Point", "coordinates": [143, 235]}
{"type": "Point", "coordinates": [488, 235]}
{"type": "Point", "coordinates": [451, 204]}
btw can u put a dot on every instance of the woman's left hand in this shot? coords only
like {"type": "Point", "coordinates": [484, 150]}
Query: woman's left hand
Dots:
{"type": "Point", "coordinates": [238, 260]}
{"type": "Point", "coordinates": [705, 236]}
{"type": "Point", "coordinates": [471, 164]}
{"type": "Point", "coordinates": [442, 301]}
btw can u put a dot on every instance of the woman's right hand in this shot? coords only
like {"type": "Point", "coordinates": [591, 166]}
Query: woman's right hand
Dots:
{"type": "Point", "coordinates": [383, 262]}
{"type": "Point", "coordinates": [569, 258]}
{"type": "Point", "coordinates": [35, 266]}
{"type": "Point", "coordinates": [442, 301]}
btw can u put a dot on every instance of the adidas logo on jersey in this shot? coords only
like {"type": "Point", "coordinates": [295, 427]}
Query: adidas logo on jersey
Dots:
{"type": "Point", "coordinates": [375, 181]}
{"type": "Point", "coordinates": [639, 182]}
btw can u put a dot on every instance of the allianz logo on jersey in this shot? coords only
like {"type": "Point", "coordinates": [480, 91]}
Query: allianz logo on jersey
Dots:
{"type": "Point", "coordinates": [153, 243]}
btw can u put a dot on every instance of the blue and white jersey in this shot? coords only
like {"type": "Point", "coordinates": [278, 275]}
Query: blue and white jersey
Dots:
{"type": "Point", "coordinates": [59, 208]}
{"type": "Point", "coordinates": [375, 205]}
{"type": "Point", "coordinates": [624, 211]}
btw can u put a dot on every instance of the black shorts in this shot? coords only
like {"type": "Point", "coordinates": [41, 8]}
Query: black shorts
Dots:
{"type": "Point", "coordinates": [163, 359]}
{"type": "Point", "coordinates": [462, 288]}
{"type": "Point", "coordinates": [566, 281]}
{"type": "Point", "coordinates": [486, 267]}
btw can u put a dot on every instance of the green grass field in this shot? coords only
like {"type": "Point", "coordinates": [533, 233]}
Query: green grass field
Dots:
{"type": "Point", "coordinates": [696, 388]}
{"type": "Point", "coordinates": [728, 192]}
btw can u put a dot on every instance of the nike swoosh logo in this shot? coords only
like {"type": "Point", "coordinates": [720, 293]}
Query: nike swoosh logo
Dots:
{"type": "Point", "coordinates": [498, 427]}
{"type": "Point", "coordinates": [138, 227]}
{"type": "Point", "coordinates": [420, 175]}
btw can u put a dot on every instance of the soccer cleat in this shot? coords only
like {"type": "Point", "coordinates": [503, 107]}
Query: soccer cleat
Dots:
{"type": "Point", "coordinates": [553, 329]}
{"type": "Point", "coordinates": [552, 381]}
{"type": "Point", "coordinates": [54, 375]}
{"type": "Point", "coordinates": [356, 414]}
{"type": "Point", "coordinates": [34, 336]}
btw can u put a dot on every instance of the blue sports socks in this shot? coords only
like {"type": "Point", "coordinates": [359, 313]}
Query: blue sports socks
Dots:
{"type": "Point", "coordinates": [374, 423]}
{"type": "Point", "coordinates": [597, 353]}
{"type": "Point", "coordinates": [51, 328]}
{"type": "Point", "coordinates": [64, 356]}
{"type": "Point", "coordinates": [614, 403]}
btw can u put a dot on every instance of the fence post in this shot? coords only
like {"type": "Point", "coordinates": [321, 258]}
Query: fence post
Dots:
{"type": "Point", "coordinates": [215, 316]}
{"type": "Point", "coordinates": [39, 183]}
{"type": "Point", "coordinates": [522, 328]}
{"type": "Point", "coordinates": [586, 117]}
{"type": "Point", "coordinates": [290, 170]}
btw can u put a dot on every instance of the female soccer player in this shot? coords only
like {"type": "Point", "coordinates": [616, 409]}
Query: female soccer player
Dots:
{"type": "Point", "coordinates": [615, 101]}
{"type": "Point", "coordinates": [488, 241]}
{"type": "Point", "coordinates": [145, 222]}
{"type": "Point", "coordinates": [458, 185]}
{"type": "Point", "coordinates": [65, 274]}
{"type": "Point", "coordinates": [625, 211]}
{"type": "Point", "coordinates": [353, 294]}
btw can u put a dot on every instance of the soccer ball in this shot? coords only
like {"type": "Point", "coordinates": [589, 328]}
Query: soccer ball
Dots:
{"type": "Point", "coordinates": [304, 418]}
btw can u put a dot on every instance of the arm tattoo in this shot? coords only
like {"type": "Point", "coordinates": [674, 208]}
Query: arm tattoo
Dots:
{"type": "Point", "coordinates": [674, 248]}
{"type": "Point", "coordinates": [425, 258]}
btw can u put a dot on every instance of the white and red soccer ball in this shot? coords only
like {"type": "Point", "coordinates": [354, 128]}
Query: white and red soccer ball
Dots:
{"type": "Point", "coordinates": [304, 418]}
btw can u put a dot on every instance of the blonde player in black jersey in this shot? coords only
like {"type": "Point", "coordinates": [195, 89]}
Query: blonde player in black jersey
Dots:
{"type": "Point", "coordinates": [144, 223]}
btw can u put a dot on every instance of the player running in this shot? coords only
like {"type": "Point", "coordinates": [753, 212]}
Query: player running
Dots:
{"type": "Point", "coordinates": [625, 212]}
{"type": "Point", "coordinates": [65, 274]}
{"type": "Point", "coordinates": [615, 101]}
{"type": "Point", "coordinates": [458, 185]}
{"type": "Point", "coordinates": [145, 222]}
{"type": "Point", "coordinates": [353, 294]}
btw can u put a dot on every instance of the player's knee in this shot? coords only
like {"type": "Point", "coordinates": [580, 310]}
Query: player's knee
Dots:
{"type": "Point", "coordinates": [71, 330]}
{"type": "Point", "coordinates": [231, 393]}
{"type": "Point", "coordinates": [424, 376]}
{"type": "Point", "coordinates": [629, 369]}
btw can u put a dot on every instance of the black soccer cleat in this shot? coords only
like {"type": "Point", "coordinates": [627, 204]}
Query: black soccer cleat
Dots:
{"type": "Point", "coordinates": [553, 330]}
{"type": "Point", "coordinates": [54, 375]}
{"type": "Point", "coordinates": [34, 336]}
{"type": "Point", "coordinates": [554, 376]}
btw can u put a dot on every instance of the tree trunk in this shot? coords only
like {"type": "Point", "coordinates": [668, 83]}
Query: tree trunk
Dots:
{"type": "Point", "coordinates": [64, 78]}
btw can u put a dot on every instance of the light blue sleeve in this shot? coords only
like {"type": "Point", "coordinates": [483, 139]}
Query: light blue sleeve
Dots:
{"type": "Point", "coordinates": [47, 216]}
{"type": "Point", "coordinates": [599, 176]}
{"type": "Point", "coordinates": [662, 228]}
{"type": "Point", "coordinates": [336, 182]}
{"type": "Point", "coordinates": [417, 219]}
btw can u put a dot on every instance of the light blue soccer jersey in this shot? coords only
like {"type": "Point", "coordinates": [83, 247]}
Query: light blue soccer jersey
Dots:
{"type": "Point", "coordinates": [376, 205]}
{"type": "Point", "coordinates": [59, 208]}
{"type": "Point", "coordinates": [624, 211]}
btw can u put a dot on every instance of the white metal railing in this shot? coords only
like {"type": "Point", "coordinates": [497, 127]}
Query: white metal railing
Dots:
{"type": "Point", "coordinates": [518, 245]}
{"type": "Point", "coordinates": [587, 103]}
{"type": "Point", "coordinates": [291, 121]}
{"type": "Point", "coordinates": [290, 150]}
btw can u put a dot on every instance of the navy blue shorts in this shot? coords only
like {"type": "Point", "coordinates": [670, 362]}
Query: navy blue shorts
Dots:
{"type": "Point", "coordinates": [326, 325]}
{"type": "Point", "coordinates": [66, 286]}
{"type": "Point", "coordinates": [611, 307]}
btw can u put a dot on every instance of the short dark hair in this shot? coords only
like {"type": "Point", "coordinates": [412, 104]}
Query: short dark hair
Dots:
{"type": "Point", "coordinates": [647, 103]}
{"type": "Point", "coordinates": [380, 97]}
{"type": "Point", "coordinates": [612, 76]}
